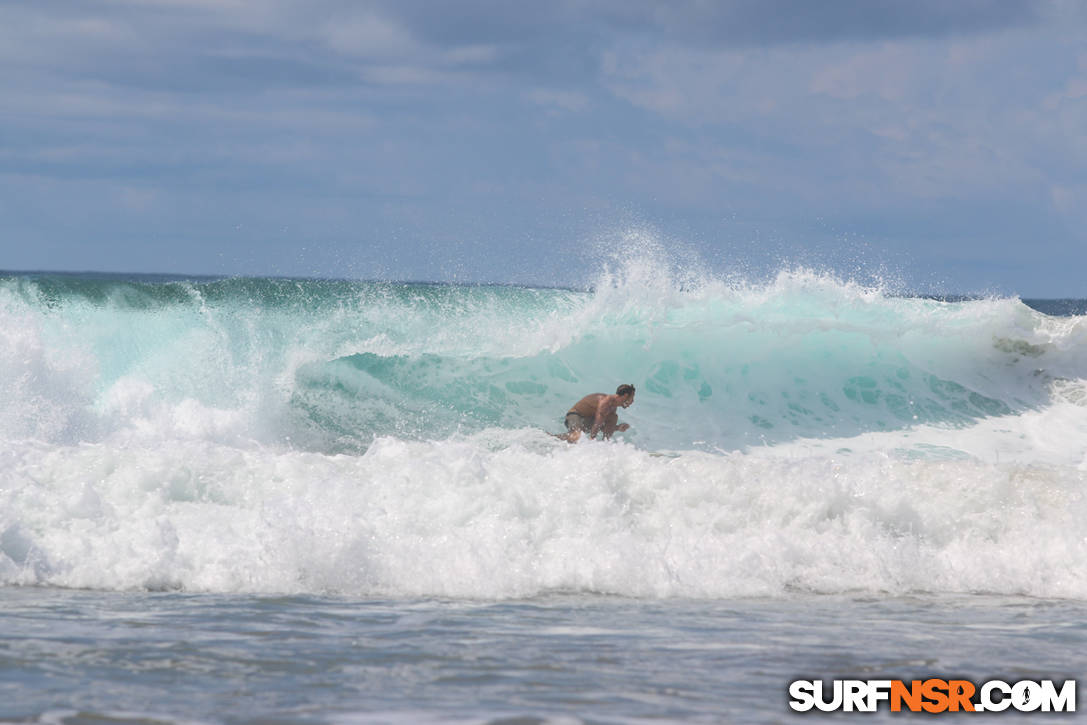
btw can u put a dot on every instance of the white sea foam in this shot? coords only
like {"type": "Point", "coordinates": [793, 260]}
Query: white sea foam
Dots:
{"type": "Point", "coordinates": [503, 514]}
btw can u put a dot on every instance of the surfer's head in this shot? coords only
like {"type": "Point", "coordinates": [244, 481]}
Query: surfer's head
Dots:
{"type": "Point", "coordinates": [626, 390]}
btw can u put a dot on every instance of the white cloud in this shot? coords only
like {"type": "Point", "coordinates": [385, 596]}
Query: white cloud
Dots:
{"type": "Point", "coordinates": [369, 35]}
{"type": "Point", "coordinates": [405, 74]}
{"type": "Point", "coordinates": [863, 123]}
{"type": "Point", "coordinates": [137, 198]}
{"type": "Point", "coordinates": [888, 71]}
{"type": "Point", "coordinates": [570, 101]}
{"type": "Point", "coordinates": [472, 54]}
{"type": "Point", "coordinates": [1071, 200]}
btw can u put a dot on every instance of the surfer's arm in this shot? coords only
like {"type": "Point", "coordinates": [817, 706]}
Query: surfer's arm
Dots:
{"type": "Point", "coordinates": [598, 423]}
{"type": "Point", "coordinates": [603, 410]}
{"type": "Point", "coordinates": [611, 424]}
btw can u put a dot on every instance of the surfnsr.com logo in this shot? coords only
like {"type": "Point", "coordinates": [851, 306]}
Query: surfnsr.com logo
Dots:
{"type": "Point", "coordinates": [933, 696]}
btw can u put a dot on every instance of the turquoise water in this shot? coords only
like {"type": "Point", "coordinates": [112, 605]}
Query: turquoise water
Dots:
{"type": "Point", "coordinates": [332, 365]}
{"type": "Point", "coordinates": [254, 500]}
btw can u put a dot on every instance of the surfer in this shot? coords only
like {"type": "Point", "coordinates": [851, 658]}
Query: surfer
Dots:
{"type": "Point", "coordinates": [597, 413]}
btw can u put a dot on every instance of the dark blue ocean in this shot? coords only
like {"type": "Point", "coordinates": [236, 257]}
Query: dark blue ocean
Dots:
{"type": "Point", "coordinates": [318, 501]}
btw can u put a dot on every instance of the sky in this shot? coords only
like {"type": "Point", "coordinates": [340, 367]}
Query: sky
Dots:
{"type": "Point", "coordinates": [940, 144]}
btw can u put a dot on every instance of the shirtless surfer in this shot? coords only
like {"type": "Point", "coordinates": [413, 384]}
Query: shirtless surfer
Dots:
{"type": "Point", "coordinates": [598, 412]}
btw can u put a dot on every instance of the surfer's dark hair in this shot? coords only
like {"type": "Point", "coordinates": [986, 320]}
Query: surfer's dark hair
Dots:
{"type": "Point", "coordinates": [625, 389]}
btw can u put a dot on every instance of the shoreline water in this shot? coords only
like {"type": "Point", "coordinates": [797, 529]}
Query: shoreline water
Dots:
{"type": "Point", "coordinates": [82, 656]}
